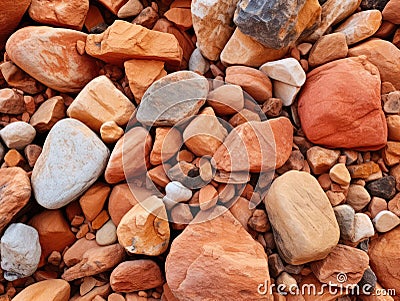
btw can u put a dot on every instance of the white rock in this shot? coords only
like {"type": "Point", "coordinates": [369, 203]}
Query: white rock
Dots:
{"type": "Point", "coordinates": [363, 227]}
{"type": "Point", "coordinates": [287, 93]}
{"type": "Point", "coordinates": [20, 251]}
{"type": "Point", "coordinates": [385, 221]}
{"type": "Point", "coordinates": [197, 63]}
{"type": "Point", "coordinates": [72, 159]}
{"type": "Point", "coordinates": [18, 134]}
{"type": "Point", "coordinates": [177, 193]}
{"type": "Point", "coordinates": [130, 9]}
{"type": "Point", "coordinates": [107, 234]}
{"type": "Point", "coordinates": [288, 71]}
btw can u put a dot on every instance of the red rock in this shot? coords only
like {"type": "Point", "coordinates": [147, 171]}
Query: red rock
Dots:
{"type": "Point", "coordinates": [340, 118]}
{"type": "Point", "coordinates": [113, 5]}
{"type": "Point", "coordinates": [391, 12]}
{"type": "Point", "coordinates": [92, 201]}
{"type": "Point", "coordinates": [74, 254]}
{"type": "Point", "coordinates": [121, 200]}
{"type": "Point", "coordinates": [181, 17]}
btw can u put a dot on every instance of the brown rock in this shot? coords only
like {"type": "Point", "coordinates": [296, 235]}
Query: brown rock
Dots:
{"type": "Point", "coordinates": [54, 232]}
{"type": "Point", "coordinates": [391, 153]}
{"type": "Point", "coordinates": [391, 11]}
{"type": "Point", "coordinates": [136, 275]}
{"type": "Point", "coordinates": [32, 153]}
{"type": "Point", "coordinates": [92, 201]}
{"type": "Point", "coordinates": [217, 248]}
{"type": "Point", "coordinates": [113, 5]}
{"type": "Point", "coordinates": [123, 41]}
{"type": "Point", "coordinates": [321, 159]}
{"type": "Point", "coordinates": [141, 74]}
{"type": "Point", "coordinates": [394, 205]}
{"type": "Point", "coordinates": [100, 220]}
{"type": "Point", "coordinates": [130, 156]}
{"type": "Point", "coordinates": [343, 125]}
{"type": "Point", "coordinates": [181, 17]}
{"type": "Point", "coordinates": [49, 55]}
{"type": "Point", "coordinates": [49, 112]}
{"type": "Point", "coordinates": [14, 195]}
{"type": "Point", "coordinates": [364, 170]}
{"type": "Point", "coordinates": [226, 100]}
{"type": "Point", "coordinates": [93, 18]}
{"type": "Point", "coordinates": [208, 197]}
{"type": "Point", "coordinates": [110, 132]}
{"type": "Point", "coordinates": [147, 17]}
{"type": "Point", "coordinates": [70, 14]}
{"type": "Point", "coordinates": [384, 55]}
{"type": "Point", "coordinates": [74, 254]}
{"type": "Point", "coordinates": [328, 48]}
{"type": "Point", "coordinates": [11, 102]}
{"type": "Point", "coordinates": [393, 123]}
{"type": "Point", "coordinates": [49, 290]}
{"type": "Point", "coordinates": [377, 205]}
{"type": "Point", "coordinates": [167, 143]}
{"type": "Point", "coordinates": [241, 210]}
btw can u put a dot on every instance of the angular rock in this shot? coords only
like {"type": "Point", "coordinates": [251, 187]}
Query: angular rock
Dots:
{"type": "Point", "coordinates": [92, 201]}
{"type": "Point", "coordinates": [393, 123]}
{"type": "Point", "coordinates": [60, 13]}
{"type": "Point", "coordinates": [226, 100]}
{"type": "Point", "coordinates": [11, 102]}
{"type": "Point", "coordinates": [173, 98]}
{"type": "Point", "coordinates": [377, 205]}
{"type": "Point", "coordinates": [363, 227]}
{"type": "Point", "coordinates": [101, 101]}
{"type": "Point", "coordinates": [391, 12]}
{"type": "Point", "coordinates": [197, 63]}
{"type": "Point", "coordinates": [181, 17]}
{"type": "Point", "coordinates": [339, 174]}
{"type": "Point", "coordinates": [20, 251]}
{"type": "Point", "coordinates": [72, 159]}
{"type": "Point", "coordinates": [123, 41]}
{"type": "Point", "coordinates": [321, 159]}
{"type": "Point", "coordinates": [19, 79]}
{"type": "Point", "coordinates": [110, 132]}
{"type": "Point", "coordinates": [136, 275]}
{"type": "Point", "coordinates": [264, 21]}
{"type": "Point", "coordinates": [345, 215]}
{"type": "Point", "coordinates": [385, 221]}
{"type": "Point", "coordinates": [287, 93]}
{"type": "Point", "coordinates": [391, 153]}
{"type": "Point", "coordinates": [215, 246]}
{"type": "Point", "coordinates": [212, 23]}
{"type": "Point", "coordinates": [49, 55]}
{"type": "Point", "coordinates": [384, 187]}
{"type": "Point", "coordinates": [358, 197]}
{"type": "Point", "coordinates": [288, 71]}
{"type": "Point", "coordinates": [14, 195]}
{"type": "Point", "coordinates": [343, 126]}
{"type": "Point", "coordinates": [113, 5]}
{"type": "Point", "coordinates": [18, 134]}
{"type": "Point", "coordinates": [74, 254]}
{"type": "Point", "coordinates": [49, 112]}
{"type": "Point", "coordinates": [394, 205]}
{"type": "Point", "coordinates": [363, 170]}
{"type": "Point", "coordinates": [121, 200]}
{"type": "Point", "coordinates": [328, 48]}
{"type": "Point", "coordinates": [49, 290]}
{"type": "Point", "coordinates": [316, 232]}
{"type": "Point", "coordinates": [168, 142]}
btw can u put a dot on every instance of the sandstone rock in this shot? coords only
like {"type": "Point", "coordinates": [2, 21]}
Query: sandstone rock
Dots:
{"type": "Point", "coordinates": [377, 205]}
{"type": "Point", "coordinates": [11, 102]}
{"type": "Point", "coordinates": [256, 138]}
{"type": "Point", "coordinates": [384, 187]}
{"type": "Point", "coordinates": [384, 55]}
{"type": "Point", "coordinates": [373, 4]}
{"type": "Point", "coordinates": [18, 134]}
{"type": "Point", "coordinates": [288, 71]}
{"type": "Point", "coordinates": [50, 290]}
{"type": "Point", "coordinates": [107, 234]}
{"type": "Point", "coordinates": [358, 197]}
{"type": "Point", "coordinates": [243, 50]}
{"type": "Point", "coordinates": [360, 26]}
{"type": "Point", "coordinates": [339, 174]}
{"type": "Point", "coordinates": [20, 251]}
{"type": "Point", "coordinates": [391, 12]}
{"type": "Point", "coordinates": [92, 201]}
{"type": "Point", "coordinates": [394, 205]}
{"type": "Point", "coordinates": [60, 13]}
{"type": "Point", "coordinates": [342, 260]}
{"type": "Point", "coordinates": [110, 132]}
{"type": "Point", "coordinates": [328, 48]}
{"type": "Point", "coordinates": [123, 41]}
{"type": "Point", "coordinates": [345, 216]}
{"type": "Point", "coordinates": [181, 17]}
{"type": "Point", "coordinates": [197, 63]}
{"type": "Point", "coordinates": [130, 9]}
{"type": "Point", "coordinates": [74, 254]}
{"type": "Point", "coordinates": [130, 156]}
{"type": "Point", "coordinates": [385, 221]}
{"type": "Point", "coordinates": [393, 123]}
{"type": "Point", "coordinates": [352, 117]}
{"type": "Point", "coordinates": [72, 159]}
{"type": "Point", "coordinates": [363, 227]}
{"type": "Point", "coordinates": [97, 292]}
{"type": "Point", "coordinates": [363, 170]}
{"type": "Point", "coordinates": [142, 74]}
{"type": "Point", "coordinates": [287, 93]}
{"type": "Point", "coordinates": [136, 275]}
{"type": "Point", "coordinates": [19, 79]}
{"type": "Point", "coordinates": [121, 200]}
{"type": "Point", "coordinates": [14, 195]}
{"type": "Point", "coordinates": [113, 5]}
{"type": "Point", "coordinates": [244, 116]}
{"type": "Point", "coordinates": [212, 23]}
{"type": "Point", "coordinates": [49, 55]}
{"type": "Point", "coordinates": [321, 159]}
{"type": "Point", "coordinates": [167, 143]}
{"type": "Point", "coordinates": [101, 101]}
{"type": "Point", "coordinates": [264, 21]}
{"type": "Point", "coordinates": [226, 100]}
{"type": "Point", "coordinates": [316, 232]}
{"type": "Point", "coordinates": [391, 153]}
{"type": "Point", "coordinates": [51, 111]}
{"type": "Point", "coordinates": [144, 229]}
{"type": "Point", "coordinates": [148, 17]}
{"type": "Point", "coordinates": [173, 98]}
{"type": "Point", "coordinates": [95, 260]}
{"type": "Point", "coordinates": [215, 246]}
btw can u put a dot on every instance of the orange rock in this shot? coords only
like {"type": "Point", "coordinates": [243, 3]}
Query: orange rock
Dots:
{"type": "Point", "coordinates": [92, 201]}
{"type": "Point", "coordinates": [100, 220]}
{"type": "Point", "coordinates": [240, 209]}
{"type": "Point", "coordinates": [113, 5]}
{"type": "Point", "coordinates": [167, 143]}
{"type": "Point", "coordinates": [181, 17]}
{"type": "Point", "coordinates": [49, 290]}
{"type": "Point", "coordinates": [93, 17]}
{"type": "Point", "coordinates": [120, 202]}
{"type": "Point", "coordinates": [158, 176]}
{"type": "Point", "coordinates": [123, 41]}
{"type": "Point", "coordinates": [208, 197]}
{"type": "Point", "coordinates": [391, 11]}
{"type": "Point", "coordinates": [97, 292]}
{"type": "Point", "coordinates": [74, 254]}
{"type": "Point", "coordinates": [110, 132]}
{"type": "Point", "coordinates": [49, 112]}
{"type": "Point", "coordinates": [14, 159]}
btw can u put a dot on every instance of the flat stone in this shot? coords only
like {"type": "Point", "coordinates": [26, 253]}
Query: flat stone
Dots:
{"type": "Point", "coordinates": [385, 221]}
{"type": "Point", "coordinates": [384, 188]}
{"type": "Point", "coordinates": [353, 118]}
{"type": "Point", "coordinates": [130, 9]}
{"type": "Point", "coordinates": [391, 153]}
{"type": "Point", "coordinates": [20, 251]}
{"type": "Point", "coordinates": [19, 79]}
{"type": "Point", "coordinates": [212, 23]}
{"type": "Point", "coordinates": [316, 232]}
{"type": "Point", "coordinates": [358, 197]}
{"type": "Point", "coordinates": [173, 98]}
{"type": "Point", "coordinates": [123, 41]}
{"type": "Point", "coordinates": [363, 227]}
{"type": "Point", "coordinates": [391, 12]}
{"type": "Point", "coordinates": [101, 101]}
{"type": "Point", "coordinates": [72, 159]}
{"type": "Point", "coordinates": [49, 55]}
{"type": "Point", "coordinates": [49, 112]}
{"type": "Point", "coordinates": [74, 253]}
{"type": "Point", "coordinates": [18, 134]}
{"type": "Point", "coordinates": [340, 174]}
{"type": "Point", "coordinates": [11, 102]}
{"type": "Point", "coordinates": [321, 159]}
{"type": "Point", "coordinates": [345, 215]}
{"type": "Point", "coordinates": [328, 48]}
{"type": "Point", "coordinates": [60, 13]}
{"type": "Point", "coordinates": [288, 71]}
{"type": "Point", "coordinates": [181, 17]}
{"type": "Point", "coordinates": [226, 100]}
{"type": "Point", "coordinates": [107, 234]}
{"type": "Point", "coordinates": [49, 290]}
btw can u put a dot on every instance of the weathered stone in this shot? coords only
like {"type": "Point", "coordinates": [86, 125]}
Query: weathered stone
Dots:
{"type": "Point", "coordinates": [107, 234]}
{"type": "Point", "coordinates": [377, 205]}
{"type": "Point", "coordinates": [391, 153]}
{"type": "Point", "coordinates": [391, 102]}
{"type": "Point", "coordinates": [18, 134]}
{"type": "Point", "coordinates": [49, 55]}
{"type": "Point", "coordinates": [50, 290]}
{"type": "Point", "coordinates": [215, 246]}
{"type": "Point", "coordinates": [226, 100]}
{"type": "Point", "coordinates": [181, 17]}
{"type": "Point", "coordinates": [316, 232]}
{"type": "Point", "coordinates": [358, 197]}
{"type": "Point", "coordinates": [264, 21]}
{"type": "Point", "coordinates": [49, 112]}
{"type": "Point", "coordinates": [11, 102]}
{"type": "Point", "coordinates": [92, 201]}
{"type": "Point", "coordinates": [328, 48]}
{"type": "Point", "coordinates": [173, 98]}
{"type": "Point", "coordinates": [363, 227]}
{"type": "Point", "coordinates": [212, 23]}
{"type": "Point", "coordinates": [368, 281]}
{"type": "Point", "coordinates": [391, 12]}
{"type": "Point", "coordinates": [130, 9]}
{"type": "Point", "coordinates": [384, 188]}
{"type": "Point", "coordinates": [149, 17]}
{"type": "Point", "coordinates": [394, 205]}
{"type": "Point", "coordinates": [393, 123]}
{"type": "Point", "coordinates": [288, 71]}
{"type": "Point", "coordinates": [74, 254]}
{"type": "Point", "coordinates": [287, 93]}
{"type": "Point", "coordinates": [345, 215]}
{"type": "Point", "coordinates": [363, 170]}
{"type": "Point", "coordinates": [385, 221]}
{"type": "Point", "coordinates": [72, 159]}
{"type": "Point", "coordinates": [123, 41]}
{"type": "Point", "coordinates": [352, 117]}
{"type": "Point", "coordinates": [110, 132]}
{"type": "Point", "coordinates": [19, 79]}
{"type": "Point", "coordinates": [321, 159]}
{"type": "Point", "coordinates": [197, 63]}
{"type": "Point", "coordinates": [373, 4]}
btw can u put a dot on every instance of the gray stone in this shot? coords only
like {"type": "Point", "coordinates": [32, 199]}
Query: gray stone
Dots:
{"type": "Point", "coordinates": [345, 217]}
{"type": "Point", "coordinates": [368, 281]}
{"type": "Point", "coordinates": [374, 4]}
{"type": "Point", "coordinates": [18, 134]}
{"type": "Point", "coordinates": [172, 98]}
{"type": "Point", "coordinates": [72, 159]}
{"type": "Point", "coordinates": [197, 63]}
{"type": "Point", "coordinates": [107, 234]}
{"type": "Point", "coordinates": [20, 251]}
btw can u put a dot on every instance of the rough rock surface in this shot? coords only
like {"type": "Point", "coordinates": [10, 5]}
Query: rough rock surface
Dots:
{"type": "Point", "coordinates": [18, 134]}
{"type": "Point", "coordinates": [49, 290]}
{"type": "Point", "coordinates": [51, 111]}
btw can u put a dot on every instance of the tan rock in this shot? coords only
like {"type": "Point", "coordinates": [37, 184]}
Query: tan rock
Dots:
{"type": "Point", "coordinates": [144, 229]}
{"type": "Point", "coordinates": [136, 275]}
{"type": "Point", "coordinates": [385, 221]}
{"type": "Point", "coordinates": [304, 224]}
{"type": "Point", "coordinates": [100, 291]}
{"type": "Point", "coordinates": [94, 261]}
{"type": "Point", "coordinates": [141, 74]}
{"type": "Point", "coordinates": [130, 156]}
{"type": "Point", "coordinates": [393, 123]}
{"type": "Point", "coordinates": [328, 48]}
{"type": "Point", "coordinates": [123, 41]}
{"type": "Point", "coordinates": [130, 9]}
{"type": "Point", "coordinates": [208, 197]}
{"type": "Point", "coordinates": [394, 205]}
{"type": "Point", "coordinates": [92, 201]}
{"type": "Point", "coordinates": [358, 197]}
{"type": "Point", "coordinates": [113, 5]}
{"type": "Point", "coordinates": [181, 17]}
{"type": "Point", "coordinates": [49, 55]}
{"type": "Point", "coordinates": [49, 112]}
{"type": "Point", "coordinates": [288, 71]}
{"type": "Point", "coordinates": [360, 26]}
{"type": "Point", "coordinates": [377, 205]}
{"type": "Point", "coordinates": [339, 174]}
{"type": "Point", "coordinates": [321, 159]}
{"type": "Point", "coordinates": [69, 14]}
{"type": "Point", "coordinates": [167, 143]}
{"type": "Point", "coordinates": [391, 12]}
{"type": "Point", "coordinates": [14, 159]}
{"type": "Point", "coordinates": [391, 153]}
{"type": "Point", "coordinates": [49, 290]}
{"type": "Point", "coordinates": [241, 210]}
{"type": "Point", "coordinates": [110, 132]}
{"type": "Point", "coordinates": [226, 100]}
{"type": "Point", "coordinates": [74, 254]}
{"type": "Point", "coordinates": [364, 170]}
{"type": "Point", "coordinates": [101, 101]}
{"type": "Point", "coordinates": [215, 246]}
{"type": "Point", "coordinates": [243, 50]}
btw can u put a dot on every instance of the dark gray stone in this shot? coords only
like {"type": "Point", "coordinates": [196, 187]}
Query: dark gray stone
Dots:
{"type": "Point", "coordinates": [383, 188]}
{"type": "Point", "coordinates": [373, 4]}
{"type": "Point", "coordinates": [368, 281]}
